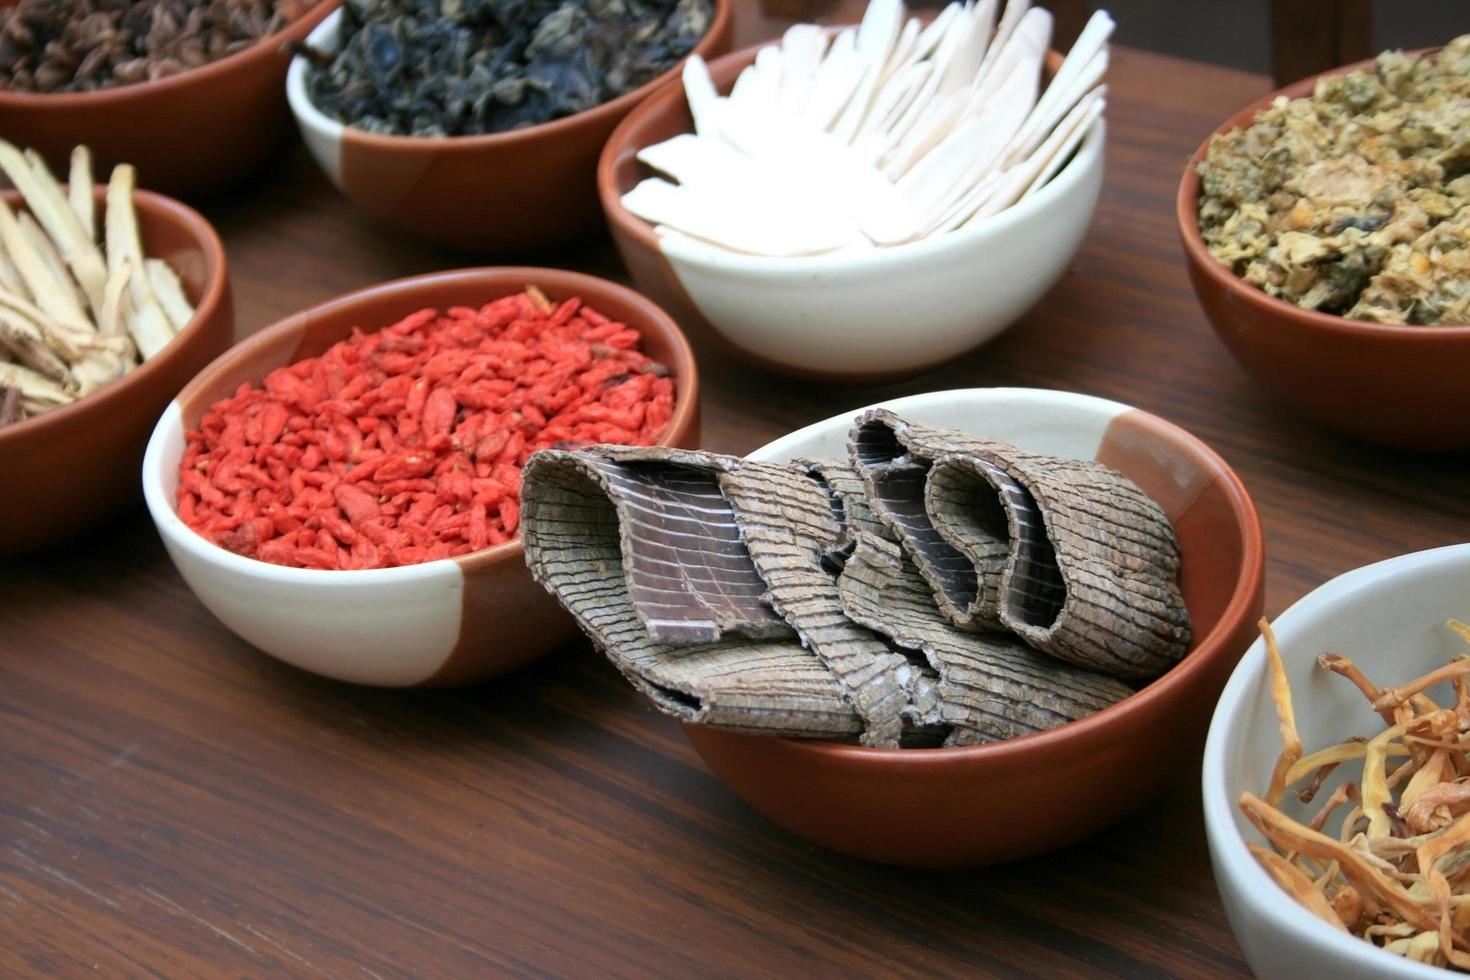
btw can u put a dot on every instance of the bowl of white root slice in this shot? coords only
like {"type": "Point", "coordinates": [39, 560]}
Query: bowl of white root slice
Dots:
{"type": "Point", "coordinates": [111, 299]}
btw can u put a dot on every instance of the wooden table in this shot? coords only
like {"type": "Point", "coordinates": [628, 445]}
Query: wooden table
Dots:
{"type": "Point", "coordinates": [173, 802]}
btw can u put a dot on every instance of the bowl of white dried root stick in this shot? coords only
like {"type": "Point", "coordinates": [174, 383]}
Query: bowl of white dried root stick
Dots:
{"type": "Point", "coordinates": [111, 299]}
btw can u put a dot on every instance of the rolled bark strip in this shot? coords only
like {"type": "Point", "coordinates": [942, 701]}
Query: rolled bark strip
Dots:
{"type": "Point", "coordinates": [789, 524]}
{"type": "Point", "coordinates": [1093, 571]}
{"type": "Point", "coordinates": [577, 523]}
{"type": "Point", "coordinates": [991, 686]}
{"type": "Point", "coordinates": [893, 456]}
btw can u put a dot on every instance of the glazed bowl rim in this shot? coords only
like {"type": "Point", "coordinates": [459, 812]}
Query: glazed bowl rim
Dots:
{"type": "Point", "coordinates": [1227, 845]}
{"type": "Point", "coordinates": [165, 513]}
{"type": "Point", "coordinates": [211, 71]}
{"type": "Point", "coordinates": [1186, 209]}
{"type": "Point", "coordinates": [307, 112]}
{"type": "Point", "coordinates": [1202, 652]}
{"type": "Point", "coordinates": [1053, 193]}
{"type": "Point", "coordinates": [213, 293]}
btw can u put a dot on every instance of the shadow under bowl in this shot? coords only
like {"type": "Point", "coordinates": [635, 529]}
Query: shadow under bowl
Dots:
{"type": "Point", "coordinates": [438, 623]}
{"type": "Point", "coordinates": [984, 804]}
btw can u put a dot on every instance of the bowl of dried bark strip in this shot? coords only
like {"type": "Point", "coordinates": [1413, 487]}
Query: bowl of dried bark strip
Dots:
{"type": "Point", "coordinates": [1009, 799]}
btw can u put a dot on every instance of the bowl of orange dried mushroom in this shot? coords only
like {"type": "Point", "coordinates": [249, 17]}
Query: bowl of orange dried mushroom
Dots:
{"type": "Point", "coordinates": [1335, 778]}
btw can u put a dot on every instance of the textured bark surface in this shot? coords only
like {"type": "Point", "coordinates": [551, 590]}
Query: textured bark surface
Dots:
{"type": "Point", "coordinates": [580, 514]}
{"type": "Point", "coordinates": [1093, 571]}
{"type": "Point", "coordinates": [1089, 564]}
{"type": "Point", "coordinates": [894, 458]}
{"type": "Point", "coordinates": [789, 524]}
{"type": "Point", "coordinates": [991, 686]}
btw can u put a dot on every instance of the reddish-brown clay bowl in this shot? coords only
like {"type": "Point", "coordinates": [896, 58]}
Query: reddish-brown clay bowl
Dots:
{"type": "Point", "coordinates": [438, 623]}
{"type": "Point", "coordinates": [1007, 800]}
{"type": "Point", "coordinates": [1405, 386]}
{"type": "Point", "coordinates": [67, 469]}
{"type": "Point", "coordinates": [189, 135]}
{"type": "Point", "coordinates": [522, 189]}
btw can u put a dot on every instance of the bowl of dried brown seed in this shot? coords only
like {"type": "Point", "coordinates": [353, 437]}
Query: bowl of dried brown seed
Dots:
{"type": "Point", "coordinates": [189, 91]}
{"type": "Point", "coordinates": [111, 299]}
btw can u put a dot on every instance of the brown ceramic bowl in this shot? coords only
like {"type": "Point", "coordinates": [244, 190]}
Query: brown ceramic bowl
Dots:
{"type": "Point", "coordinates": [1012, 799]}
{"type": "Point", "coordinates": [66, 469]}
{"type": "Point", "coordinates": [522, 189]}
{"type": "Point", "coordinates": [438, 623]}
{"type": "Point", "coordinates": [1405, 386]}
{"type": "Point", "coordinates": [188, 135]}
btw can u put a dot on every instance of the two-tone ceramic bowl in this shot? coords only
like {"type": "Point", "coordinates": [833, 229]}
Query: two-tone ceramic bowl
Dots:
{"type": "Point", "coordinates": [188, 134]}
{"type": "Point", "coordinates": [1011, 799]}
{"type": "Point", "coordinates": [1401, 385]}
{"type": "Point", "coordinates": [441, 622]}
{"type": "Point", "coordinates": [66, 469]}
{"type": "Point", "coordinates": [522, 189]}
{"type": "Point", "coordinates": [1389, 619]}
{"type": "Point", "coordinates": [863, 317]}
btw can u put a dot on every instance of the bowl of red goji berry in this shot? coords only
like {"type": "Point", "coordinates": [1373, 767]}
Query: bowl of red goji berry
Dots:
{"type": "Point", "coordinates": [341, 489]}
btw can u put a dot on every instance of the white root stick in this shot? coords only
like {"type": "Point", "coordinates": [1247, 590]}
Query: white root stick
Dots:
{"type": "Point", "coordinates": [80, 191]}
{"type": "Point", "coordinates": [170, 293]}
{"type": "Point", "coordinates": [33, 387]}
{"type": "Point", "coordinates": [44, 197]}
{"type": "Point", "coordinates": [148, 325]}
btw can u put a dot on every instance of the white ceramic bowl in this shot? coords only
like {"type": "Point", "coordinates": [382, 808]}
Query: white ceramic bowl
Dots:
{"type": "Point", "coordinates": [861, 317]}
{"type": "Point", "coordinates": [1390, 619]}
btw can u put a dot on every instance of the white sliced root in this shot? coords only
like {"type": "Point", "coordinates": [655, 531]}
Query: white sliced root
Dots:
{"type": "Point", "coordinates": [44, 198]}
{"type": "Point", "coordinates": [33, 386]}
{"type": "Point", "coordinates": [41, 243]}
{"type": "Point", "coordinates": [170, 293]}
{"type": "Point", "coordinates": [80, 190]}
{"type": "Point", "coordinates": [57, 300]}
{"type": "Point", "coordinates": [148, 325]}
{"type": "Point", "coordinates": [10, 276]}
{"type": "Point", "coordinates": [33, 353]}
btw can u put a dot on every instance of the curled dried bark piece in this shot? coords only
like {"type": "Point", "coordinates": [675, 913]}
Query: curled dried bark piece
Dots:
{"type": "Point", "coordinates": [1091, 563]}
{"type": "Point", "coordinates": [578, 520]}
{"type": "Point", "coordinates": [894, 457]}
{"type": "Point", "coordinates": [787, 522]}
{"type": "Point", "coordinates": [991, 686]}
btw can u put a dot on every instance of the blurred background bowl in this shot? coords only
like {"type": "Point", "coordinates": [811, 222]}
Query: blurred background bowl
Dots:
{"type": "Point", "coordinates": [442, 622]}
{"type": "Point", "coordinates": [521, 189]}
{"type": "Point", "coordinates": [1401, 385]}
{"type": "Point", "coordinates": [67, 469]}
{"type": "Point", "coordinates": [189, 134]}
{"type": "Point", "coordinates": [1389, 619]}
{"type": "Point", "coordinates": [1023, 796]}
{"type": "Point", "coordinates": [869, 317]}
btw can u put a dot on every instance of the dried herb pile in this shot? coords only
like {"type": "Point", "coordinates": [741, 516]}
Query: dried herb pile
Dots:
{"type": "Point", "coordinates": [1355, 200]}
{"type": "Point", "coordinates": [81, 303]}
{"type": "Point", "coordinates": [932, 589]}
{"type": "Point", "coordinates": [84, 45]}
{"type": "Point", "coordinates": [1394, 867]}
{"type": "Point", "coordinates": [470, 67]}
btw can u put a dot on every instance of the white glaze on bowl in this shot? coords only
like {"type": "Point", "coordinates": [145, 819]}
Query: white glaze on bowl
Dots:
{"type": "Point", "coordinates": [1389, 618]}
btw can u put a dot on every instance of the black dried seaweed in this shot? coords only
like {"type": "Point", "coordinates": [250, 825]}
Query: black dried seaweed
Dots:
{"type": "Point", "coordinates": [470, 67]}
{"type": "Point", "coordinates": [85, 45]}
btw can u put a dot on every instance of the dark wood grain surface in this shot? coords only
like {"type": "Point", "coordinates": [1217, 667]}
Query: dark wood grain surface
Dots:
{"type": "Point", "coordinates": [173, 802]}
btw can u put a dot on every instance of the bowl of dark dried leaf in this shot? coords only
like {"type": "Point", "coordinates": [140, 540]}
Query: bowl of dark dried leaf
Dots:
{"type": "Point", "coordinates": [481, 129]}
{"type": "Point", "coordinates": [189, 91]}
